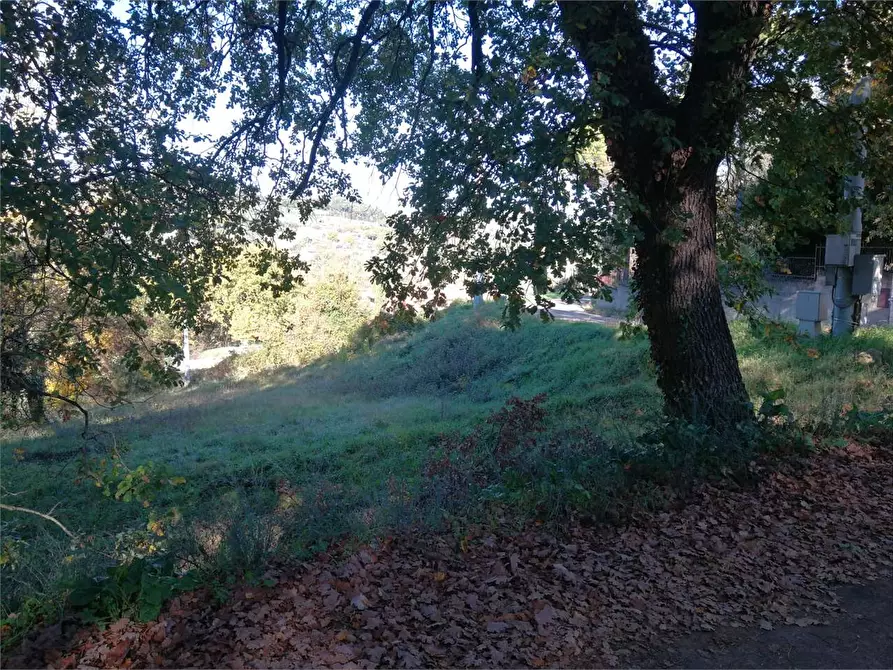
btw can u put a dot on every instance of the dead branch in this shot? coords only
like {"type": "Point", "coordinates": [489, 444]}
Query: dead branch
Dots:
{"type": "Point", "coordinates": [15, 508]}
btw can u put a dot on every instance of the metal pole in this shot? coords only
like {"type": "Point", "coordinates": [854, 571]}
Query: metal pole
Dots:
{"type": "Point", "coordinates": [842, 318]}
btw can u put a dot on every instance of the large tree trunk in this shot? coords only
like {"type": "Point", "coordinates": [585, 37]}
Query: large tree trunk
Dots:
{"type": "Point", "coordinates": [665, 151]}
{"type": "Point", "coordinates": [36, 408]}
{"type": "Point", "coordinates": [679, 294]}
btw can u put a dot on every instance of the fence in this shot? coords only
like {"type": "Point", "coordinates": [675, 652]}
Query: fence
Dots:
{"type": "Point", "coordinates": [795, 267]}
{"type": "Point", "coordinates": [886, 252]}
{"type": "Point", "coordinates": [812, 267]}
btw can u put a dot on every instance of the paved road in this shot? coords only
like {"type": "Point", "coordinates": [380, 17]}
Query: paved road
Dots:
{"type": "Point", "coordinates": [212, 357]}
{"type": "Point", "coordinates": [861, 636]}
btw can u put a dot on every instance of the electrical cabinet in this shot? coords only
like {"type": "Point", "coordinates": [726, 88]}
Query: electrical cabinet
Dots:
{"type": "Point", "coordinates": [867, 273]}
{"type": "Point", "coordinates": [812, 306]}
{"type": "Point", "coordinates": [841, 249]}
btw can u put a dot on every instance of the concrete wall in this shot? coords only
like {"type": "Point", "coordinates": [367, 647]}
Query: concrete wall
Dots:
{"type": "Point", "coordinates": [780, 306]}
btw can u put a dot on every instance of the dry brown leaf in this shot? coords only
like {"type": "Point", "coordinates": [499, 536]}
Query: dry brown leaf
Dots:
{"type": "Point", "coordinates": [359, 601]}
{"type": "Point", "coordinates": [545, 615]}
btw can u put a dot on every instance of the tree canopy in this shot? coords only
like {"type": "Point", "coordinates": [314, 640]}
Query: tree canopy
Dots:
{"type": "Point", "coordinates": [492, 110]}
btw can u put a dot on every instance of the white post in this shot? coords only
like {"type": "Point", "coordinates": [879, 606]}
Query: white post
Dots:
{"type": "Point", "coordinates": [186, 354]}
{"type": "Point", "coordinates": [478, 299]}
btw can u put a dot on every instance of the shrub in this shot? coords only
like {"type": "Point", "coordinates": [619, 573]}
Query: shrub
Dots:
{"type": "Point", "coordinates": [137, 589]}
{"type": "Point", "coordinates": [504, 460]}
{"type": "Point", "coordinates": [313, 320]}
{"type": "Point", "coordinates": [508, 460]}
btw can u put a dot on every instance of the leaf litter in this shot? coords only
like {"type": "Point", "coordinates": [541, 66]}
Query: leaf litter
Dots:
{"type": "Point", "coordinates": [758, 557]}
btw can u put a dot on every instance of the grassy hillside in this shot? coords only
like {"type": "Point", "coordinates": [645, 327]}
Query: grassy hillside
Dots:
{"type": "Point", "coordinates": [286, 461]}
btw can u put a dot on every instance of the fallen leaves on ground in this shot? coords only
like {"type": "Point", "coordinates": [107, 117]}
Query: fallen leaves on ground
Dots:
{"type": "Point", "coordinates": [757, 557]}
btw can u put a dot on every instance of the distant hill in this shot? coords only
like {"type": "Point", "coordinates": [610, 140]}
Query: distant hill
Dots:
{"type": "Point", "coordinates": [341, 238]}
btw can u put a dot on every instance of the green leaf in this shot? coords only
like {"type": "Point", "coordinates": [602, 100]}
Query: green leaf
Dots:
{"type": "Point", "coordinates": [149, 611]}
{"type": "Point", "coordinates": [777, 394]}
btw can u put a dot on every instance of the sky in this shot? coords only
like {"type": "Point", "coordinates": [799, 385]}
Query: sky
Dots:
{"type": "Point", "coordinates": [366, 179]}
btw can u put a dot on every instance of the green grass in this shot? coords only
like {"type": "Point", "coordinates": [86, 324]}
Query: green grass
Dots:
{"type": "Point", "coordinates": [351, 433]}
{"type": "Point", "coordinates": [820, 376]}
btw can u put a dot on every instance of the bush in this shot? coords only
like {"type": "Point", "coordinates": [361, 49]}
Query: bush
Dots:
{"type": "Point", "coordinates": [505, 461]}
{"type": "Point", "coordinates": [136, 589]}
{"type": "Point", "coordinates": [313, 320]}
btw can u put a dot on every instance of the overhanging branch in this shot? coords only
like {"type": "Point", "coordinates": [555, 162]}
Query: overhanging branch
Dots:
{"type": "Point", "coordinates": [477, 38]}
{"type": "Point", "coordinates": [341, 88]}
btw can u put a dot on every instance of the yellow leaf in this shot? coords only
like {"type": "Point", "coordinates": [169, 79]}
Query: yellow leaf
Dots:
{"type": "Point", "coordinates": [439, 576]}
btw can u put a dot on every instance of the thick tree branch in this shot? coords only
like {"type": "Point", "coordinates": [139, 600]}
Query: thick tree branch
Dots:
{"type": "Point", "coordinates": [724, 46]}
{"type": "Point", "coordinates": [283, 53]}
{"type": "Point", "coordinates": [611, 39]}
{"type": "Point", "coordinates": [477, 38]}
{"type": "Point", "coordinates": [343, 84]}
{"type": "Point", "coordinates": [616, 52]}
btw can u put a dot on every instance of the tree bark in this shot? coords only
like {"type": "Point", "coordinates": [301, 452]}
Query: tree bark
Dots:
{"type": "Point", "coordinates": [666, 153]}
{"type": "Point", "coordinates": [36, 408]}
{"type": "Point", "coordinates": [679, 293]}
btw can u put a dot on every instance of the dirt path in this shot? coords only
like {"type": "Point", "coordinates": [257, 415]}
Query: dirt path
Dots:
{"type": "Point", "coordinates": [860, 637]}
{"type": "Point", "coordinates": [747, 575]}
{"type": "Point", "coordinates": [573, 312]}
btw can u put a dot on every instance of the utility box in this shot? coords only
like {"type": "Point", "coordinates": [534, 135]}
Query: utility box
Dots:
{"type": "Point", "coordinates": [811, 309]}
{"type": "Point", "coordinates": [867, 274]}
{"type": "Point", "coordinates": [841, 250]}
